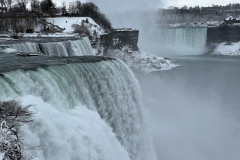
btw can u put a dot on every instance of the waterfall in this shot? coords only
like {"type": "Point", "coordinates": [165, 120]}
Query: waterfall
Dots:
{"type": "Point", "coordinates": [83, 111]}
{"type": "Point", "coordinates": [78, 47]}
{"type": "Point", "coordinates": [194, 39]}
{"type": "Point", "coordinates": [26, 47]}
{"type": "Point", "coordinates": [189, 37]}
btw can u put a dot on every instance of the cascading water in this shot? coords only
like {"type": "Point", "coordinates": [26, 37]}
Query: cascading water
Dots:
{"type": "Point", "coordinates": [72, 104]}
{"type": "Point", "coordinates": [193, 39]}
{"type": "Point", "coordinates": [68, 48]}
{"type": "Point", "coordinates": [26, 47]}
{"type": "Point", "coordinates": [64, 48]}
{"type": "Point", "coordinates": [190, 37]}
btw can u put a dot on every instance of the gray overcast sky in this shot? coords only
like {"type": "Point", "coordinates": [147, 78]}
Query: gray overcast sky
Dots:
{"type": "Point", "coordinates": [116, 10]}
{"type": "Point", "coordinates": [146, 4]}
{"type": "Point", "coordinates": [123, 5]}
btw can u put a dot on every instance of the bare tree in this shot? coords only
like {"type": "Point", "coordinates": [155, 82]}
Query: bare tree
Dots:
{"type": "Point", "coordinates": [23, 4]}
{"type": "Point", "coordinates": [12, 115]}
{"type": "Point", "coordinates": [72, 8]}
{"type": "Point", "coordinates": [81, 30]}
{"type": "Point", "coordinates": [64, 8]}
{"type": "Point", "coordinates": [35, 6]}
{"type": "Point", "coordinates": [78, 7]}
{"type": "Point", "coordinates": [3, 3]}
{"type": "Point", "coordinates": [9, 4]}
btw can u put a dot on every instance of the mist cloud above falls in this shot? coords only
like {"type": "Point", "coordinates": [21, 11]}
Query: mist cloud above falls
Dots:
{"type": "Point", "coordinates": [136, 14]}
{"type": "Point", "coordinates": [127, 5]}
{"type": "Point", "coordinates": [127, 13]}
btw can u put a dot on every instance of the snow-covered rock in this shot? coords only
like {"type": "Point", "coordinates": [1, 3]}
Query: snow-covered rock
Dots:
{"type": "Point", "coordinates": [226, 48]}
{"type": "Point", "coordinates": [229, 18]}
{"type": "Point", "coordinates": [27, 35]}
{"type": "Point", "coordinates": [196, 24]}
{"type": "Point", "coordinates": [140, 60]}
{"type": "Point", "coordinates": [2, 156]}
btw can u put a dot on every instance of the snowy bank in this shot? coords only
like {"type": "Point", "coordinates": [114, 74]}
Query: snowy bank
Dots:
{"type": "Point", "coordinates": [226, 48]}
{"type": "Point", "coordinates": [196, 24]}
{"type": "Point", "coordinates": [140, 60]}
{"type": "Point", "coordinates": [67, 22]}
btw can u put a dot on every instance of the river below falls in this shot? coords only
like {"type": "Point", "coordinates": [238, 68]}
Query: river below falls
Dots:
{"type": "Point", "coordinates": [193, 112]}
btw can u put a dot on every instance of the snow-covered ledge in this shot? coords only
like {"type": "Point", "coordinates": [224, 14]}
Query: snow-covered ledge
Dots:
{"type": "Point", "coordinates": [143, 61]}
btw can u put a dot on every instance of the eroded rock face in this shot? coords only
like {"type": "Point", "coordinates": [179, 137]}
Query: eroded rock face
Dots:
{"type": "Point", "coordinates": [119, 38]}
{"type": "Point", "coordinates": [223, 34]}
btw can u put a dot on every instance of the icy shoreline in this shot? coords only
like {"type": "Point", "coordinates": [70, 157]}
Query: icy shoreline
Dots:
{"type": "Point", "coordinates": [143, 61]}
{"type": "Point", "coordinates": [227, 48]}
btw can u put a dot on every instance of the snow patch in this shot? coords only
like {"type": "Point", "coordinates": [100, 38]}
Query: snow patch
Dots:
{"type": "Point", "coordinates": [143, 61]}
{"type": "Point", "coordinates": [196, 24]}
{"type": "Point", "coordinates": [229, 18]}
{"type": "Point", "coordinates": [227, 48]}
{"type": "Point", "coordinates": [70, 35]}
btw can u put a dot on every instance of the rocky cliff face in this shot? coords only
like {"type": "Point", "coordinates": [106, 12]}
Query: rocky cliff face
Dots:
{"type": "Point", "coordinates": [120, 38]}
{"type": "Point", "coordinates": [223, 34]}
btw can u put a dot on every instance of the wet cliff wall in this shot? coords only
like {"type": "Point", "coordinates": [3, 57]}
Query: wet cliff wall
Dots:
{"type": "Point", "coordinates": [223, 34]}
{"type": "Point", "coordinates": [118, 39]}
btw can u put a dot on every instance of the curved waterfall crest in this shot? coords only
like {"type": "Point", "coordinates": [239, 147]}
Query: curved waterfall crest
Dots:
{"type": "Point", "coordinates": [108, 87]}
{"type": "Point", "coordinates": [192, 37]}
{"type": "Point", "coordinates": [78, 47]}
{"type": "Point", "coordinates": [26, 47]}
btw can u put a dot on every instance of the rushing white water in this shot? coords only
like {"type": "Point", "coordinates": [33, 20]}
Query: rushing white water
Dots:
{"type": "Point", "coordinates": [64, 48]}
{"type": "Point", "coordinates": [75, 134]}
{"type": "Point", "coordinates": [6, 49]}
{"type": "Point", "coordinates": [72, 104]}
